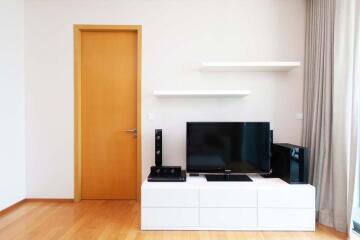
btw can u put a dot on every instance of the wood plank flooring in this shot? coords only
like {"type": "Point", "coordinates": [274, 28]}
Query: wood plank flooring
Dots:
{"type": "Point", "coordinates": [112, 219]}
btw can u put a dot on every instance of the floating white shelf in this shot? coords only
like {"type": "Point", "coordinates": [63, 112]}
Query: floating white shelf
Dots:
{"type": "Point", "coordinates": [249, 66]}
{"type": "Point", "coordinates": [201, 93]}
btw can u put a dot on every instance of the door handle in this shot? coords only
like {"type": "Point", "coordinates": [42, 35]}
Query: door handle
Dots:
{"type": "Point", "coordinates": [132, 130]}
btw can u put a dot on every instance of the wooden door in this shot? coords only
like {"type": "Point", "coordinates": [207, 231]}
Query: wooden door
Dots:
{"type": "Point", "coordinates": [109, 114]}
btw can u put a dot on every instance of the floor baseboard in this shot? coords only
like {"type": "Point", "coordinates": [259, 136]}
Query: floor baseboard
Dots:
{"type": "Point", "coordinates": [49, 200]}
{"type": "Point", "coordinates": [11, 207]}
{"type": "Point", "coordinates": [17, 204]}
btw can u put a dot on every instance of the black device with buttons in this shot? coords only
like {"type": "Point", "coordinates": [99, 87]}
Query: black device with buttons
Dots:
{"type": "Point", "coordinates": [167, 174]}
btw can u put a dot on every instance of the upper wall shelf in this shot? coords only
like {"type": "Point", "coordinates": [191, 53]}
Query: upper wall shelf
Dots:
{"type": "Point", "coordinates": [249, 66]}
{"type": "Point", "coordinates": [201, 93]}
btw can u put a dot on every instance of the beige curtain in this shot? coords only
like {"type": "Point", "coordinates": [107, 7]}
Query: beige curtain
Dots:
{"type": "Point", "coordinates": [318, 99]}
{"type": "Point", "coordinates": [331, 107]}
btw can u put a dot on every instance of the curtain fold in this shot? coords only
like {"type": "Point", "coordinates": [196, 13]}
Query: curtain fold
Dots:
{"type": "Point", "coordinates": [331, 106]}
{"type": "Point", "coordinates": [318, 100]}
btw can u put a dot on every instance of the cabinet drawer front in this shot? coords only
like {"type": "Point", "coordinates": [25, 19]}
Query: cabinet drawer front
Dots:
{"type": "Point", "coordinates": [286, 219]}
{"type": "Point", "coordinates": [300, 196]}
{"type": "Point", "coordinates": [158, 218]}
{"type": "Point", "coordinates": [228, 218]}
{"type": "Point", "coordinates": [228, 197]}
{"type": "Point", "coordinates": [169, 198]}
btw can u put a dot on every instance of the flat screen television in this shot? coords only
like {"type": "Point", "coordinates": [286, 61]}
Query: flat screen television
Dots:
{"type": "Point", "coordinates": [228, 147]}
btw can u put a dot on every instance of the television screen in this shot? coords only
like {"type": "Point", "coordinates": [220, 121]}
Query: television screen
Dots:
{"type": "Point", "coordinates": [239, 147]}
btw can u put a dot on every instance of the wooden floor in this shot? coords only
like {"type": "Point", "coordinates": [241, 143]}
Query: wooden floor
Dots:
{"type": "Point", "coordinates": [113, 220]}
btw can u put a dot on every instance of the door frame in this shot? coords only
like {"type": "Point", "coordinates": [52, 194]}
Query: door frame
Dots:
{"type": "Point", "coordinates": [78, 29]}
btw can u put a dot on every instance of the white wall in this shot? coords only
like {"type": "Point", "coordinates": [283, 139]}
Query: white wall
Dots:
{"type": "Point", "coordinates": [177, 36]}
{"type": "Point", "coordinates": [12, 107]}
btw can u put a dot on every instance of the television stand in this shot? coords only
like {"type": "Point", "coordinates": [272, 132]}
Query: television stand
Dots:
{"type": "Point", "coordinates": [227, 178]}
{"type": "Point", "coordinates": [265, 204]}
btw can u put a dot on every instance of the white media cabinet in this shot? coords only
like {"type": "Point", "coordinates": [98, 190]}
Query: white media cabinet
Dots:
{"type": "Point", "coordinates": [268, 204]}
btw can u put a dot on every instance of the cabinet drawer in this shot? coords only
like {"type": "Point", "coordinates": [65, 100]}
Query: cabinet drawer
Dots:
{"type": "Point", "coordinates": [168, 218]}
{"type": "Point", "coordinates": [286, 219]}
{"type": "Point", "coordinates": [169, 197]}
{"type": "Point", "coordinates": [227, 197]}
{"type": "Point", "coordinates": [228, 218]}
{"type": "Point", "coordinates": [296, 196]}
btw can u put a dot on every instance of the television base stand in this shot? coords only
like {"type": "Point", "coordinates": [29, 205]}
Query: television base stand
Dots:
{"type": "Point", "coordinates": [227, 178]}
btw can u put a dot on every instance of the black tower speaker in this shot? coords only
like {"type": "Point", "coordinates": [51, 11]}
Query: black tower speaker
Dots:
{"type": "Point", "coordinates": [271, 141]}
{"type": "Point", "coordinates": [158, 147]}
{"type": "Point", "coordinates": [290, 163]}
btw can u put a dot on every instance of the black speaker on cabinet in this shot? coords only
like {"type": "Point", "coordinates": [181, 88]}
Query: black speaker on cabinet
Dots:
{"type": "Point", "coordinates": [290, 162]}
{"type": "Point", "coordinates": [271, 141]}
{"type": "Point", "coordinates": [158, 147]}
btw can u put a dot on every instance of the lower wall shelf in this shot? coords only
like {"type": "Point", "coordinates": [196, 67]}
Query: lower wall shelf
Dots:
{"type": "Point", "coordinates": [201, 93]}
